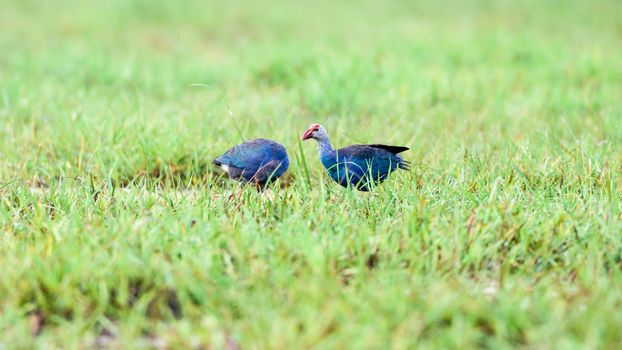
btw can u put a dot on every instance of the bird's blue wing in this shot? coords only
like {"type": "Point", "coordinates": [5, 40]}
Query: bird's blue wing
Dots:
{"type": "Point", "coordinates": [366, 165]}
{"type": "Point", "coordinates": [245, 159]}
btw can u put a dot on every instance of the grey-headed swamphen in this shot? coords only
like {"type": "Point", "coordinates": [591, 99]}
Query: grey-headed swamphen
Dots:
{"type": "Point", "coordinates": [258, 161]}
{"type": "Point", "coordinates": [359, 166]}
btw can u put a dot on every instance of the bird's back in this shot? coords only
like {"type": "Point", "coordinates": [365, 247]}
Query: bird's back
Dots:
{"type": "Point", "coordinates": [358, 165]}
{"type": "Point", "coordinates": [246, 158]}
{"type": "Point", "coordinates": [366, 156]}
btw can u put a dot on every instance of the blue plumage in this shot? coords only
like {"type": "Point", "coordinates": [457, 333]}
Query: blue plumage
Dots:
{"type": "Point", "coordinates": [258, 161]}
{"type": "Point", "coordinates": [359, 166]}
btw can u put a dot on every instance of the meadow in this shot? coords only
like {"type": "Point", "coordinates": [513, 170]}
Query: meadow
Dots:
{"type": "Point", "coordinates": [117, 232]}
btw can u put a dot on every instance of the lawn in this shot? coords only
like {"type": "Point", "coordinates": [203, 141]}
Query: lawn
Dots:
{"type": "Point", "coordinates": [117, 232]}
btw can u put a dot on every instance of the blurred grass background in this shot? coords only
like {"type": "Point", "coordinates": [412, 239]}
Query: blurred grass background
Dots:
{"type": "Point", "coordinates": [80, 78]}
{"type": "Point", "coordinates": [116, 230]}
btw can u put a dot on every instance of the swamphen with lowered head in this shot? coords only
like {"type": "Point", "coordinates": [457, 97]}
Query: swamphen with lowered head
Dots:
{"type": "Point", "coordinates": [258, 161]}
{"type": "Point", "coordinates": [359, 166]}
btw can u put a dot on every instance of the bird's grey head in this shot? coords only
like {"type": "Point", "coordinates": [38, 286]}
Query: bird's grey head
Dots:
{"type": "Point", "coordinates": [317, 132]}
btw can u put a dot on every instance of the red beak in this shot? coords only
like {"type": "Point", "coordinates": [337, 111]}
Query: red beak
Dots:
{"type": "Point", "coordinates": [307, 134]}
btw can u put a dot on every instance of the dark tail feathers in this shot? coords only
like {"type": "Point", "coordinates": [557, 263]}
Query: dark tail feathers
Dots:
{"type": "Point", "coordinates": [392, 149]}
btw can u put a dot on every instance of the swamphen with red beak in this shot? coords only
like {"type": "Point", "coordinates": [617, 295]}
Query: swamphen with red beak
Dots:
{"type": "Point", "coordinates": [258, 161]}
{"type": "Point", "coordinates": [359, 166]}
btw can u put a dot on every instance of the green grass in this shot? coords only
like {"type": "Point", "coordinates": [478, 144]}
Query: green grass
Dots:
{"type": "Point", "coordinates": [116, 230]}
